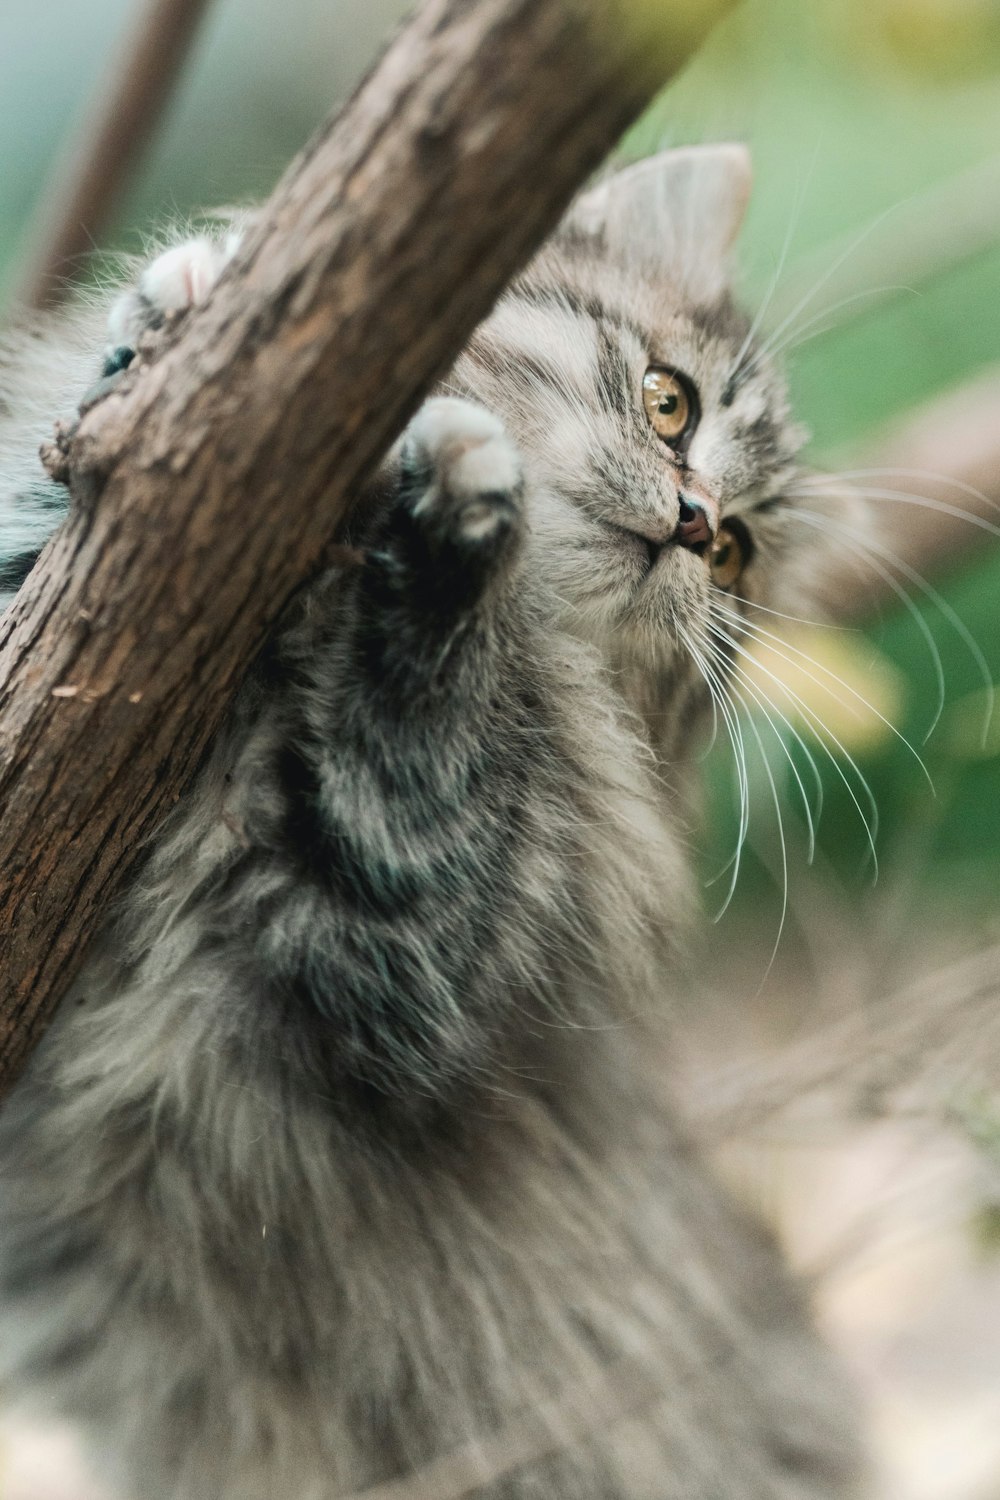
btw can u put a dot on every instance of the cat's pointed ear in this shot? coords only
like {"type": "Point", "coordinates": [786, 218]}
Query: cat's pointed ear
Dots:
{"type": "Point", "coordinates": [686, 205]}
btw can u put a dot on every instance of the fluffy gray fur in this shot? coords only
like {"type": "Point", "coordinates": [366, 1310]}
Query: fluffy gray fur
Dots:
{"type": "Point", "coordinates": [349, 1150]}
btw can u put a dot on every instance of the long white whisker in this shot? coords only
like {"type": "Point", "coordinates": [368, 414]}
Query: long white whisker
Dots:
{"type": "Point", "coordinates": [713, 697]}
{"type": "Point", "coordinates": [781, 835]}
{"type": "Point", "coordinates": [717, 687]}
{"type": "Point", "coordinates": [863, 547]}
{"type": "Point", "coordinates": [934, 477]}
{"type": "Point", "coordinates": [849, 541]}
{"type": "Point", "coordinates": [818, 286]}
{"type": "Point", "coordinates": [793, 223]}
{"type": "Point", "coordinates": [759, 699]}
{"type": "Point", "coordinates": [922, 502]}
{"type": "Point", "coordinates": [719, 626]}
{"type": "Point", "coordinates": [822, 732]}
{"type": "Point", "coordinates": [795, 619]}
{"type": "Point", "coordinates": [715, 722]}
{"type": "Point", "coordinates": [720, 696]}
{"type": "Point", "coordinates": [817, 325]}
{"type": "Point", "coordinates": [781, 647]}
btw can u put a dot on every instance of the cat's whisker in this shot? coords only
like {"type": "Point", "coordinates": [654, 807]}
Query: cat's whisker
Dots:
{"type": "Point", "coordinates": [793, 223]}
{"type": "Point", "coordinates": [853, 543]}
{"type": "Point", "coordinates": [863, 547]}
{"type": "Point", "coordinates": [823, 731]}
{"type": "Point", "coordinates": [721, 631]}
{"type": "Point", "coordinates": [815, 326]}
{"type": "Point", "coordinates": [795, 619]}
{"type": "Point", "coordinates": [781, 834]}
{"type": "Point", "coordinates": [720, 694]}
{"type": "Point", "coordinates": [769, 344]}
{"type": "Point", "coordinates": [768, 705]}
{"type": "Point", "coordinates": [931, 476]}
{"type": "Point", "coordinates": [904, 497]}
{"type": "Point", "coordinates": [713, 738]}
{"type": "Point", "coordinates": [781, 647]}
{"type": "Point", "coordinates": [718, 688]}
{"type": "Point", "coordinates": [720, 701]}
{"type": "Point", "coordinates": [765, 705]}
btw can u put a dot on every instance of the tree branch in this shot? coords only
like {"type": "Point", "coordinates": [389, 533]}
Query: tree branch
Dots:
{"type": "Point", "coordinates": [915, 241]}
{"type": "Point", "coordinates": [79, 200]}
{"type": "Point", "coordinates": [923, 1050]}
{"type": "Point", "coordinates": [948, 454]}
{"type": "Point", "coordinates": [207, 489]}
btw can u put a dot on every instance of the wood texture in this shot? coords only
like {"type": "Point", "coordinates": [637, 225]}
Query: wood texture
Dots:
{"type": "Point", "coordinates": [207, 488]}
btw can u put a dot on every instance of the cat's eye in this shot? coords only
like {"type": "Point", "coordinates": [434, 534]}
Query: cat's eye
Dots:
{"type": "Point", "coordinates": [728, 555]}
{"type": "Point", "coordinates": [670, 405]}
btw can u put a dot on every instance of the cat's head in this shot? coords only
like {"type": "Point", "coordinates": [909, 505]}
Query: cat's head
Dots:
{"type": "Point", "coordinates": [656, 433]}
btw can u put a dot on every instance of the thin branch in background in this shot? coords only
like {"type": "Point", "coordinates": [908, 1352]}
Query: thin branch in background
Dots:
{"type": "Point", "coordinates": [555, 1425]}
{"type": "Point", "coordinates": [78, 202]}
{"type": "Point", "coordinates": [916, 1053]}
{"type": "Point", "coordinates": [946, 453]}
{"type": "Point", "coordinates": [919, 240]}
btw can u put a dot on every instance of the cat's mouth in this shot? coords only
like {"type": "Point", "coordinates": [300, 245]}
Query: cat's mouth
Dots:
{"type": "Point", "coordinates": [652, 553]}
{"type": "Point", "coordinates": [646, 550]}
{"type": "Point", "coordinates": [663, 587]}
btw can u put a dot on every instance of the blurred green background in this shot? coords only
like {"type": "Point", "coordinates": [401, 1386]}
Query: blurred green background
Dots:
{"type": "Point", "coordinates": [874, 124]}
{"type": "Point", "coordinates": [866, 117]}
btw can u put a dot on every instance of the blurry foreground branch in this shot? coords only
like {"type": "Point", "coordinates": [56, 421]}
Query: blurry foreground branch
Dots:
{"type": "Point", "coordinates": [85, 187]}
{"type": "Point", "coordinates": [208, 486]}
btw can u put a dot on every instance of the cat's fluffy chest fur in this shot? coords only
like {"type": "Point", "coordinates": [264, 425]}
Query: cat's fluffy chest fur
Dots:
{"type": "Point", "coordinates": [353, 1153]}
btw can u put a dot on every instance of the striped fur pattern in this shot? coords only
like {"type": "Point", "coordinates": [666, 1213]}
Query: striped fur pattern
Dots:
{"type": "Point", "coordinates": [349, 1153]}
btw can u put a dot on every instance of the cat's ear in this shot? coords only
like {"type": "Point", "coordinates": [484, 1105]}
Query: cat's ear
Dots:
{"type": "Point", "coordinates": [685, 206]}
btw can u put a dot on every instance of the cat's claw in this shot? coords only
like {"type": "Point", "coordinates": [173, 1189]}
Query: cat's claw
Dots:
{"type": "Point", "coordinates": [465, 472]}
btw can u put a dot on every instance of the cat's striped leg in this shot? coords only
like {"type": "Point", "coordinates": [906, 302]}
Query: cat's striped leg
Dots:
{"type": "Point", "coordinates": [409, 773]}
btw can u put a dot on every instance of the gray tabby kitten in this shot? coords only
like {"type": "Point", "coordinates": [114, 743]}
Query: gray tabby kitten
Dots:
{"type": "Point", "coordinates": [350, 1155]}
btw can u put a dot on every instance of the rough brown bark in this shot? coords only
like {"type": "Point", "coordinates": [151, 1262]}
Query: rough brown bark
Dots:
{"type": "Point", "coordinates": [86, 186]}
{"type": "Point", "coordinates": [208, 487]}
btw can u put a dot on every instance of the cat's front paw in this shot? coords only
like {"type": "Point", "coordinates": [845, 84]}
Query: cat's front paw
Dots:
{"type": "Point", "coordinates": [462, 476]}
{"type": "Point", "coordinates": [178, 278]}
{"type": "Point", "coordinates": [184, 275]}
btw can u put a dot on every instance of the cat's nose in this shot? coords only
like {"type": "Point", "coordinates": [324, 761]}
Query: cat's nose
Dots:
{"type": "Point", "coordinates": [698, 522]}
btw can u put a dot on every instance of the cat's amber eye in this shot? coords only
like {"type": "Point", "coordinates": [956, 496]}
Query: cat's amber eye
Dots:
{"type": "Point", "coordinates": [669, 405]}
{"type": "Point", "coordinates": [728, 556]}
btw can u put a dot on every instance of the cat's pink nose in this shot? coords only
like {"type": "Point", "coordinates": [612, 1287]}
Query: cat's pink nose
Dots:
{"type": "Point", "coordinates": [699, 520]}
